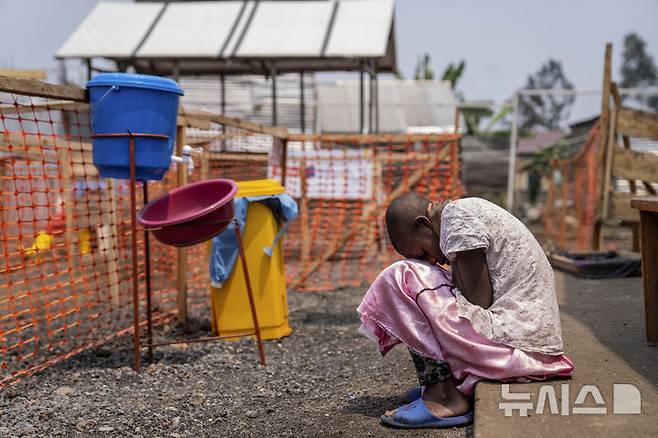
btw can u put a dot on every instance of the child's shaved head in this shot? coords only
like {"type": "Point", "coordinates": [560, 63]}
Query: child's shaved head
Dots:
{"type": "Point", "coordinates": [401, 218]}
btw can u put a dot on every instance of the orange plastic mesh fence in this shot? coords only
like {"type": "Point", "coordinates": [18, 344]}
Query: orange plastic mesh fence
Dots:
{"type": "Point", "coordinates": [342, 185]}
{"type": "Point", "coordinates": [65, 240]}
{"type": "Point", "coordinates": [572, 199]}
{"type": "Point", "coordinates": [65, 232]}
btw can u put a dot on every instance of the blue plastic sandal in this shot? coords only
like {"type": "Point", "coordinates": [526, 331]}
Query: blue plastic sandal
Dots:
{"type": "Point", "coordinates": [412, 395]}
{"type": "Point", "coordinates": [416, 416]}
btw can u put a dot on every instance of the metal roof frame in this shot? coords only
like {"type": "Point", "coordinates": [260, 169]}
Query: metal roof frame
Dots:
{"type": "Point", "coordinates": [238, 37]}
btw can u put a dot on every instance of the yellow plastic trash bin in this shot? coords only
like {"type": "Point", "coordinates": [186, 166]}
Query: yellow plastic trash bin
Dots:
{"type": "Point", "coordinates": [230, 303]}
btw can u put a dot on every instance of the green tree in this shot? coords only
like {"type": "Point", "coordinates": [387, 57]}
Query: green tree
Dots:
{"type": "Point", "coordinates": [547, 111]}
{"type": "Point", "coordinates": [453, 73]}
{"type": "Point", "coordinates": [423, 69]}
{"type": "Point", "coordinates": [638, 68]}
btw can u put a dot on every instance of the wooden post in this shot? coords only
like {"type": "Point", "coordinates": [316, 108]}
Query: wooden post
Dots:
{"type": "Point", "coordinates": [604, 120]}
{"type": "Point", "coordinates": [108, 243]}
{"type": "Point", "coordinates": [181, 253]}
{"type": "Point", "coordinates": [205, 165]}
{"type": "Point", "coordinates": [303, 213]}
{"type": "Point", "coordinates": [511, 171]}
{"type": "Point", "coordinates": [636, 236]}
{"type": "Point", "coordinates": [648, 208]}
{"type": "Point", "coordinates": [627, 142]}
{"type": "Point", "coordinates": [649, 247]}
{"type": "Point", "coordinates": [378, 195]}
{"type": "Point", "coordinates": [607, 171]}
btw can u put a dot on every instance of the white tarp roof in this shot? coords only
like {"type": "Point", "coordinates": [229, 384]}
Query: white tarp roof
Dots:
{"type": "Point", "coordinates": [110, 30]}
{"type": "Point", "coordinates": [185, 29]}
{"type": "Point", "coordinates": [404, 106]}
{"type": "Point", "coordinates": [326, 35]}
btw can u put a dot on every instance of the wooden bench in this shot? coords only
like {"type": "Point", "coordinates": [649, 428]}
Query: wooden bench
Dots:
{"type": "Point", "coordinates": [648, 207]}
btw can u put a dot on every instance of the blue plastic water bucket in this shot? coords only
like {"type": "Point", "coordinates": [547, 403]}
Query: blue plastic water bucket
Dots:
{"type": "Point", "coordinates": [141, 104]}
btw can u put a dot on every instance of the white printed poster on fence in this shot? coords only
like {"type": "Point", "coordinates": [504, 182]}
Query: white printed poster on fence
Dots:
{"type": "Point", "coordinates": [330, 174]}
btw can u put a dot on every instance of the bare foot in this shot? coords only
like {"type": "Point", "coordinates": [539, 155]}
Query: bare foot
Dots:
{"type": "Point", "coordinates": [443, 399]}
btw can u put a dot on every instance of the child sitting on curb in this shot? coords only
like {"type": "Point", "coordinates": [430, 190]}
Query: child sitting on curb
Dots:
{"type": "Point", "coordinates": [494, 315]}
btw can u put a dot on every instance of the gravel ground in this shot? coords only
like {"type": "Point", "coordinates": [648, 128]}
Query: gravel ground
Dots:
{"type": "Point", "coordinates": [324, 380]}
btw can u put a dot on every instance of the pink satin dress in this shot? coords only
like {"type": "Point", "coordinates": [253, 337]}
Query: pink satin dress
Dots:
{"type": "Point", "coordinates": [411, 302]}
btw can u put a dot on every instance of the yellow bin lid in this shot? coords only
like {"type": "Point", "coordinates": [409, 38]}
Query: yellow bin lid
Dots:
{"type": "Point", "coordinates": [260, 187]}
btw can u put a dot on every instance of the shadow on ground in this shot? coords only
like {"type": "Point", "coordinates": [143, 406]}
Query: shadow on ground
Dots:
{"type": "Point", "coordinates": [348, 318]}
{"type": "Point", "coordinates": [371, 406]}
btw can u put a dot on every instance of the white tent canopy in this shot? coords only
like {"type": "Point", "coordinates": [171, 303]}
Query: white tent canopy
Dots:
{"type": "Point", "coordinates": [236, 37]}
{"type": "Point", "coordinates": [405, 106]}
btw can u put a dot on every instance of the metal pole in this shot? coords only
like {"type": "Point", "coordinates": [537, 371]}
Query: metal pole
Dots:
{"type": "Point", "coordinates": [374, 67]}
{"type": "Point", "coordinates": [222, 94]}
{"type": "Point", "coordinates": [370, 103]}
{"type": "Point", "coordinates": [88, 69]}
{"type": "Point", "coordinates": [361, 102]}
{"type": "Point", "coordinates": [274, 118]}
{"type": "Point", "coordinates": [147, 273]}
{"type": "Point", "coordinates": [646, 91]}
{"type": "Point", "coordinates": [511, 172]}
{"type": "Point", "coordinates": [222, 105]}
{"type": "Point", "coordinates": [247, 282]}
{"type": "Point", "coordinates": [137, 364]}
{"type": "Point", "coordinates": [302, 109]}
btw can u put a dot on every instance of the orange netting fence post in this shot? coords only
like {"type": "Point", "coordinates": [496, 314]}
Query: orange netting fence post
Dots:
{"type": "Point", "coordinates": [571, 207]}
{"type": "Point", "coordinates": [65, 236]}
{"type": "Point", "coordinates": [350, 180]}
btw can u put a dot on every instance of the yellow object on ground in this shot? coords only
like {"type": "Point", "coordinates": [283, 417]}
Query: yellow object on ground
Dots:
{"type": "Point", "coordinates": [230, 303]}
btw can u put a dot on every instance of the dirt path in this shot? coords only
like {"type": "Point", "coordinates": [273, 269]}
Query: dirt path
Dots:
{"type": "Point", "coordinates": [324, 380]}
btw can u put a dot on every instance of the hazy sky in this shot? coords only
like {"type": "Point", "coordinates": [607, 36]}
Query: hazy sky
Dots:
{"type": "Point", "coordinates": [501, 41]}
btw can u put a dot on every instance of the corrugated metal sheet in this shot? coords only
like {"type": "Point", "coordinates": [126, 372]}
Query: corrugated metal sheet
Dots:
{"type": "Point", "coordinates": [203, 36]}
{"type": "Point", "coordinates": [404, 106]}
{"type": "Point", "coordinates": [249, 97]}
{"type": "Point", "coordinates": [111, 30]}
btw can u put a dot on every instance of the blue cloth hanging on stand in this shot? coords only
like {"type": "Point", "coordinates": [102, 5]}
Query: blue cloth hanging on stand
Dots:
{"type": "Point", "coordinates": [224, 251]}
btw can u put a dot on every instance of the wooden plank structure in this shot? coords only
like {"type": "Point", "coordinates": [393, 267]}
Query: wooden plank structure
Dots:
{"type": "Point", "coordinates": [33, 87]}
{"type": "Point", "coordinates": [618, 161]}
{"type": "Point", "coordinates": [181, 253]}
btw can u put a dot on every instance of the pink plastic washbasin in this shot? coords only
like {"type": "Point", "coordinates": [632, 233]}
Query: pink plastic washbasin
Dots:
{"type": "Point", "coordinates": [190, 214]}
